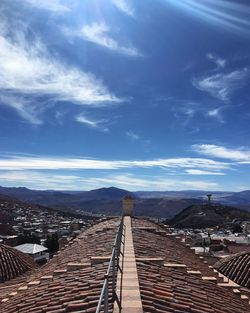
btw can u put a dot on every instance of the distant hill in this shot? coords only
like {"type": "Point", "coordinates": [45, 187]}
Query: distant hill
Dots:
{"type": "Point", "coordinates": [47, 197]}
{"type": "Point", "coordinates": [237, 198]}
{"type": "Point", "coordinates": [202, 216]}
{"type": "Point", "coordinates": [102, 201]}
{"type": "Point", "coordinates": [164, 204]}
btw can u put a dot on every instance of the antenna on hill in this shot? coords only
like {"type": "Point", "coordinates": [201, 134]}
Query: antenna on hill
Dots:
{"type": "Point", "coordinates": [209, 196]}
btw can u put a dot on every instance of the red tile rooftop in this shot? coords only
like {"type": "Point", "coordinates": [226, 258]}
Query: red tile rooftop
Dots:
{"type": "Point", "coordinates": [70, 283]}
{"type": "Point", "coordinates": [13, 263]}
{"type": "Point", "coordinates": [236, 267]}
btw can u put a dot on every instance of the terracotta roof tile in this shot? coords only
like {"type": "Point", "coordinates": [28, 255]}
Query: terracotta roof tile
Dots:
{"type": "Point", "coordinates": [174, 289]}
{"type": "Point", "coordinates": [77, 289]}
{"type": "Point", "coordinates": [61, 288]}
{"type": "Point", "coordinates": [236, 267]}
{"type": "Point", "coordinates": [13, 263]}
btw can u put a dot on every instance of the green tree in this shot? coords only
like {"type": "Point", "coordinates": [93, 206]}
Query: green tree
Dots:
{"type": "Point", "coordinates": [52, 243]}
{"type": "Point", "coordinates": [28, 238]}
{"type": "Point", "coordinates": [236, 228]}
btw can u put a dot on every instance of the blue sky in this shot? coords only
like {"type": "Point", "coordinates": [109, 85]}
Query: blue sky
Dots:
{"type": "Point", "coordinates": [141, 95]}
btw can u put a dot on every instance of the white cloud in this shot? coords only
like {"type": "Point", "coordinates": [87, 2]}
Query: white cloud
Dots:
{"type": "Point", "coordinates": [56, 6]}
{"type": "Point", "coordinates": [222, 85]}
{"type": "Point", "coordinates": [98, 33]}
{"type": "Point", "coordinates": [241, 155]}
{"type": "Point", "coordinates": [22, 106]}
{"type": "Point", "coordinates": [127, 181]}
{"type": "Point", "coordinates": [28, 72]}
{"type": "Point", "coordinates": [91, 123]}
{"type": "Point", "coordinates": [123, 6]}
{"type": "Point", "coordinates": [189, 112]}
{"type": "Point", "coordinates": [132, 135]}
{"type": "Point", "coordinates": [216, 113]}
{"type": "Point", "coordinates": [38, 180]}
{"type": "Point", "coordinates": [218, 61]}
{"type": "Point", "coordinates": [201, 172]}
{"type": "Point", "coordinates": [53, 163]}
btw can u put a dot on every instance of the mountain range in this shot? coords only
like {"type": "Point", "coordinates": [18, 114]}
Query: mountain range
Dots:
{"type": "Point", "coordinates": [108, 200]}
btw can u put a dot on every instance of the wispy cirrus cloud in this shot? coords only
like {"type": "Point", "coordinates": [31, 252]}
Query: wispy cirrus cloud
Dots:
{"type": "Point", "coordinates": [40, 180]}
{"type": "Point", "coordinates": [222, 85]}
{"type": "Point", "coordinates": [191, 113]}
{"type": "Point", "coordinates": [131, 182]}
{"type": "Point", "coordinates": [97, 124]}
{"type": "Point", "coordinates": [216, 113]}
{"type": "Point", "coordinates": [99, 33]}
{"type": "Point", "coordinates": [218, 61]}
{"type": "Point", "coordinates": [28, 72]}
{"type": "Point", "coordinates": [201, 172]}
{"type": "Point", "coordinates": [132, 135]}
{"type": "Point", "coordinates": [28, 112]}
{"type": "Point", "coordinates": [54, 163]}
{"type": "Point", "coordinates": [55, 6]}
{"type": "Point", "coordinates": [240, 155]}
{"type": "Point", "coordinates": [124, 7]}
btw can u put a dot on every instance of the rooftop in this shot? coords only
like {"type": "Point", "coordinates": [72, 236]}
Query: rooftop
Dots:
{"type": "Point", "coordinates": [31, 248]}
{"type": "Point", "coordinates": [236, 268]}
{"type": "Point", "coordinates": [171, 277]}
{"type": "Point", "coordinates": [13, 263]}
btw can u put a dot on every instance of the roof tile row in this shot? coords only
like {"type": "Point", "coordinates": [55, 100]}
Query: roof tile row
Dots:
{"type": "Point", "coordinates": [176, 289]}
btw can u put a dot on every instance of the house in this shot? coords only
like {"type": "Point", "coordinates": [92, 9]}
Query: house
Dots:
{"type": "Point", "coordinates": [37, 252]}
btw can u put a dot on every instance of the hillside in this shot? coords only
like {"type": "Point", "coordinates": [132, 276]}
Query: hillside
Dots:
{"type": "Point", "coordinates": [165, 204]}
{"type": "Point", "coordinates": [102, 201]}
{"type": "Point", "coordinates": [202, 216]}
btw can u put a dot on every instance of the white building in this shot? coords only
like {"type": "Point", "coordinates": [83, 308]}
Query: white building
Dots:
{"type": "Point", "coordinates": [37, 252]}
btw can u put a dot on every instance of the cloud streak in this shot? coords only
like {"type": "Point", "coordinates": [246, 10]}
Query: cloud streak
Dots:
{"type": "Point", "coordinates": [55, 6]}
{"type": "Point", "coordinates": [91, 123]}
{"type": "Point", "coordinates": [124, 7]}
{"type": "Point", "coordinates": [55, 163]}
{"type": "Point", "coordinates": [132, 135]}
{"type": "Point", "coordinates": [218, 61]}
{"type": "Point", "coordinates": [28, 72]}
{"type": "Point", "coordinates": [98, 33]}
{"type": "Point", "coordinates": [222, 85]}
{"type": "Point", "coordinates": [38, 180]}
{"type": "Point", "coordinates": [201, 172]}
{"type": "Point", "coordinates": [133, 183]}
{"type": "Point", "coordinates": [241, 155]}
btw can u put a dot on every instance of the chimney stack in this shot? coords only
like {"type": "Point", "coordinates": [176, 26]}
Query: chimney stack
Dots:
{"type": "Point", "coordinates": [128, 205]}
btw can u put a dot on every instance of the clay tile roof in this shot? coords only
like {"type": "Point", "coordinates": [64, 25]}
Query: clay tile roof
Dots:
{"type": "Point", "coordinates": [72, 280]}
{"type": "Point", "coordinates": [69, 282]}
{"type": "Point", "coordinates": [236, 267]}
{"type": "Point", "coordinates": [13, 263]}
{"type": "Point", "coordinates": [181, 281]}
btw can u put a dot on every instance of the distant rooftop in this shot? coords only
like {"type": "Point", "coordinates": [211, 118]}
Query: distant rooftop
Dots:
{"type": "Point", "coordinates": [31, 248]}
